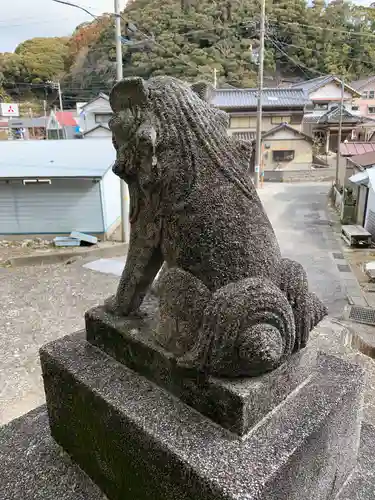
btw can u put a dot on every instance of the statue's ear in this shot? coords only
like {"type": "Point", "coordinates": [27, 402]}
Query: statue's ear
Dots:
{"type": "Point", "coordinates": [203, 90]}
{"type": "Point", "coordinates": [127, 93]}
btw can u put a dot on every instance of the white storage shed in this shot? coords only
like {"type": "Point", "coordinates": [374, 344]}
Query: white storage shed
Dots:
{"type": "Point", "coordinates": [50, 188]}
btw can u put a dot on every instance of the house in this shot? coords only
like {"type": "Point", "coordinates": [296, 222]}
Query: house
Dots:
{"type": "Point", "coordinates": [53, 187]}
{"type": "Point", "coordinates": [62, 125]}
{"type": "Point", "coordinates": [363, 182]}
{"type": "Point", "coordinates": [285, 148]}
{"type": "Point", "coordinates": [28, 128]}
{"type": "Point", "coordinates": [366, 100]}
{"type": "Point", "coordinates": [94, 117]}
{"type": "Point", "coordinates": [322, 113]}
{"type": "Point", "coordinates": [283, 105]}
{"type": "Point", "coordinates": [349, 150]}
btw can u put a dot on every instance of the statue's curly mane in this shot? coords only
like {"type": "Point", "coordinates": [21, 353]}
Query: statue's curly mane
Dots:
{"type": "Point", "coordinates": [187, 123]}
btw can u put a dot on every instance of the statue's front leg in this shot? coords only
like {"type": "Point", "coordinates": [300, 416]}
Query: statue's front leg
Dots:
{"type": "Point", "coordinates": [143, 262]}
{"type": "Point", "coordinates": [308, 310]}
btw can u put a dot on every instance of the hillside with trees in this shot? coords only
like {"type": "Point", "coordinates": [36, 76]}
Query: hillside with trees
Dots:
{"type": "Point", "coordinates": [190, 39]}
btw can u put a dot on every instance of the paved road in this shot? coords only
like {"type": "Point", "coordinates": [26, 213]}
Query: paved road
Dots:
{"type": "Point", "coordinates": [40, 304]}
{"type": "Point", "coordinates": [299, 216]}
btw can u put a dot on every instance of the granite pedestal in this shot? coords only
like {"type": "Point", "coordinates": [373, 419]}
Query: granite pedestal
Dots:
{"type": "Point", "coordinates": [123, 424]}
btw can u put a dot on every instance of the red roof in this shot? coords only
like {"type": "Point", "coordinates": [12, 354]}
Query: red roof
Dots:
{"type": "Point", "coordinates": [356, 148]}
{"type": "Point", "coordinates": [66, 118]}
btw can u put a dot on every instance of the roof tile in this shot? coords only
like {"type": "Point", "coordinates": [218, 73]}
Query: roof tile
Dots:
{"type": "Point", "coordinates": [247, 98]}
{"type": "Point", "coordinates": [356, 148]}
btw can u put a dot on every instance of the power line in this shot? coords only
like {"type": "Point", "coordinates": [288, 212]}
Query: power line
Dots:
{"type": "Point", "coordinates": [47, 21]}
{"type": "Point", "coordinates": [325, 28]}
{"type": "Point", "coordinates": [297, 63]}
{"type": "Point", "coordinates": [320, 51]}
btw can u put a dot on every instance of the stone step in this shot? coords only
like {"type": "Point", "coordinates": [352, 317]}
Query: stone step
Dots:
{"type": "Point", "coordinates": [137, 441]}
{"type": "Point", "coordinates": [236, 404]}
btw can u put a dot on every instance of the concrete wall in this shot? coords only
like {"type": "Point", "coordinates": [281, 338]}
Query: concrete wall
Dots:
{"type": "Point", "coordinates": [99, 133]}
{"type": "Point", "coordinates": [317, 175]}
{"type": "Point", "coordinates": [331, 91]}
{"type": "Point", "coordinates": [110, 193]}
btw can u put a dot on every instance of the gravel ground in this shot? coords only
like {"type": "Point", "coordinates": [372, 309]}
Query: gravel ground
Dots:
{"type": "Point", "coordinates": [40, 304]}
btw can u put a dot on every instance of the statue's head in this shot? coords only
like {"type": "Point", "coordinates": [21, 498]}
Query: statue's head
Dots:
{"type": "Point", "coordinates": [161, 116]}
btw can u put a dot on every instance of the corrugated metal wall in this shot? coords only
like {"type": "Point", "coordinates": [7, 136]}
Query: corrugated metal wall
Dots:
{"type": "Point", "coordinates": [60, 207]}
{"type": "Point", "coordinates": [370, 214]}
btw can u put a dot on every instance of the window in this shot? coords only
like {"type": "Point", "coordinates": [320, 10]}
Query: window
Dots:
{"type": "Point", "coordinates": [365, 95]}
{"type": "Point", "coordinates": [240, 122]}
{"type": "Point", "coordinates": [371, 94]}
{"type": "Point", "coordinates": [280, 156]}
{"type": "Point", "coordinates": [355, 108]}
{"type": "Point", "coordinates": [243, 122]}
{"type": "Point", "coordinates": [276, 120]}
{"type": "Point", "coordinates": [102, 118]}
{"type": "Point", "coordinates": [371, 110]}
{"type": "Point", "coordinates": [320, 105]}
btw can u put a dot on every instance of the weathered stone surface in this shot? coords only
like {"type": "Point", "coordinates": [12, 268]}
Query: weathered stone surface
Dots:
{"type": "Point", "coordinates": [236, 404]}
{"type": "Point", "coordinates": [137, 441]}
{"type": "Point", "coordinates": [230, 305]}
{"type": "Point", "coordinates": [361, 485]}
{"type": "Point", "coordinates": [33, 466]}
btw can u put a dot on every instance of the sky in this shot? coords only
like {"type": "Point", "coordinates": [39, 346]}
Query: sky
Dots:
{"type": "Point", "coordinates": [24, 19]}
{"type": "Point", "coordinates": [47, 18]}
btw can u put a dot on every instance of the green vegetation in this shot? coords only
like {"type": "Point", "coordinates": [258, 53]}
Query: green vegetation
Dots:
{"type": "Point", "coordinates": [195, 37]}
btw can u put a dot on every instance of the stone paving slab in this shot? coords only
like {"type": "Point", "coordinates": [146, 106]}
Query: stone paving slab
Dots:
{"type": "Point", "coordinates": [34, 467]}
{"type": "Point", "coordinates": [108, 266]}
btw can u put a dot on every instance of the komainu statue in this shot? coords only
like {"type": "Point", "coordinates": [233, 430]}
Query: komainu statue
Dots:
{"type": "Point", "coordinates": [229, 304]}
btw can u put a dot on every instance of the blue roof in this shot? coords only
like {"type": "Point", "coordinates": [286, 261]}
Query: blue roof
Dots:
{"type": "Point", "coordinates": [50, 158]}
{"type": "Point", "coordinates": [247, 98]}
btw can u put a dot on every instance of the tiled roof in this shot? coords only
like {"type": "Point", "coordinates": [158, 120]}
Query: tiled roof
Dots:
{"type": "Point", "coordinates": [24, 122]}
{"type": "Point", "coordinates": [356, 148]}
{"type": "Point", "coordinates": [247, 98]}
{"type": "Point", "coordinates": [285, 126]}
{"type": "Point", "coordinates": [244, 136]}
{"type": "Point", "coordinates": [315, 83]}
{"type": "Point", "coordinates": [333, 116]}
{"type": "Point", "coordinates": [365, 159]}
{"type": "Point", "coordinates": [358, 84]}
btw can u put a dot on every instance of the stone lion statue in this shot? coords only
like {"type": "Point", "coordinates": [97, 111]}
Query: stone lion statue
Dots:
{"type": "Point", "coordinates": [229, 304]}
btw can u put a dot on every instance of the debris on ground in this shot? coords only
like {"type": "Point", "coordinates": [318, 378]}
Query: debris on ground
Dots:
{"type": "Point", "coordinates": [75, 239]}
{"type": "Point", "coordinates": [369, 268]}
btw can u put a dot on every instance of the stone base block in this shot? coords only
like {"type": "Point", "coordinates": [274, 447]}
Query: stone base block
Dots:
{"type": "Point", "coordinates": [138, 442]}
{"type": "Point", "coordinates": [236, 404]}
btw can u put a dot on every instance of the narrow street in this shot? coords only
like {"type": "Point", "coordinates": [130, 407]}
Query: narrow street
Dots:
{"type": "Point", "coordinates": [299, 216]}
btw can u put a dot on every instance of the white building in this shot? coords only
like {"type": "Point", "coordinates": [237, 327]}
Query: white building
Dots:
{"type": "Point", "coordinates": [50, 188]}
{"type": "Point", "coordinates": [94, 117]}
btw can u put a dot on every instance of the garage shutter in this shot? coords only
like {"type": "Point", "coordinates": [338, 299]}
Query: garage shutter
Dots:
{"type": "Point", "coordinates": [60, 207]}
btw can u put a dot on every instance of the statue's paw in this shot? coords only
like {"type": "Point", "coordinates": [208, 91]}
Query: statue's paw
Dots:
{"type": "Point", "coordinates": [111, 305]}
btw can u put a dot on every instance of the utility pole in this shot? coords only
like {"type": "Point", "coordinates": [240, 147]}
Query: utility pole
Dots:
{"type": "Point", "coordinates": [61, 106]}
{"type": "Point", "coordinates": [215, 78]}
{"type": "Point", "coordinates": [258, 146]}
{"type": "Point", "coordinates": [339, 132]}
{"type": "Point", "coordinates": [56, 86]}
{"type": "Point", "coordinates": [124, 191]}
